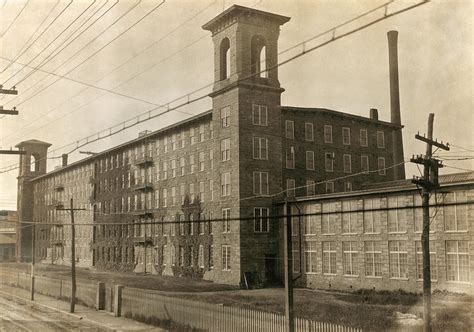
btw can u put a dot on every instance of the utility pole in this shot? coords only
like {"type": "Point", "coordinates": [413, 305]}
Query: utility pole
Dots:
{"type": "Point", "coordinates": [289, 310]}
{"type": "Point", "coordinates": [11, 91]}
{"type": "Point", "coordinates": [33, 253]}
{"type": "Point", "coordinates": [428, 183]}
{"type": "Point", "coordinates": [73, 254]}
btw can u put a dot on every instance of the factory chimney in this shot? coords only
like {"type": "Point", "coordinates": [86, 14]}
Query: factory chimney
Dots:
{"type": "Point", "coordinates": [397, 139]}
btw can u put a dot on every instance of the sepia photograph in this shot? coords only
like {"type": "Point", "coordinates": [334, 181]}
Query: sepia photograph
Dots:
{"type": "Point", "coordinates": [251, 165]}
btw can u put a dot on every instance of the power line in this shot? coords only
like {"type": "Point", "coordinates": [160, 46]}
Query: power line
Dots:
{"type": "Point", "coordinates": [188, 99]}
{"type": "Point", "coordinates": [51, 56]}
{"type": "Point", "coordinates": [220, 220]}
{"type": "Point", "coordinates": [50, 43]}
{"type": "Point", "coordinates": [44, 30]}
{"type": "Point", "coordinates": [68, 60]}
{"type": "Point", "coordinates": [96, 52]}
{"type": "Point", "coordinates": [31, 37]}
{"type": "Point", "coordinates": [115, 69]}
{"type": "Point", "coordinates": [14, 20]}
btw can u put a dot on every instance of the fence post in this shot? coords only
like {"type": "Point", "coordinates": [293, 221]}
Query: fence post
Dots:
{"type": "Point", "coordinates": [100, 296]}
{"type": "Point", "coordinates": [118, 300]}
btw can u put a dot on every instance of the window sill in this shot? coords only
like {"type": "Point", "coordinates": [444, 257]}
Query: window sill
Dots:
{"type": "Point", "coordinates": [349, 233]}
{"type": "Point", "coordinates": [459, 282]}
{"type": "Point", "coordinates": [374, 277]}
{"type": "Point", "coordinates": [329, 274]}
{"type": "Point", "coordinates": [351, 275]}
{"type": "Point", "coordinates": [311, 273]}
{"type": "Point", "coordinates": [402, 279]}
{"type": "Point", "coordinates": [432, 280]}
{"type": "Point", "coordinates": [456, 232]}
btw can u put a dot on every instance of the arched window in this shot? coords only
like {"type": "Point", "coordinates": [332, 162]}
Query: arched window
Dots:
{"type": "Point", "coordinates": [225, 59]}
{"type": "Point", "coordinates": [34, 163]}
{"type": "Point", "coordinates": [258, 55]}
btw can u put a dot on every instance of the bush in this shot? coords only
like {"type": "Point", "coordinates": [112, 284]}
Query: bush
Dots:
{"type": "Point", "coordinates": [167, 324]}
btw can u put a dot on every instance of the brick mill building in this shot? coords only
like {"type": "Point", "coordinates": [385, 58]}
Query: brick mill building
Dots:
{"type": "Point", "coordinates": [379, 246]}
{"type": "Point", "coordinates": [233, 161]}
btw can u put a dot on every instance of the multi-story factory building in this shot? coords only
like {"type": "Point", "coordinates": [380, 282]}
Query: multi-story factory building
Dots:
{"type": "Point", "coordinates": [379, 244]}
{"type": "Point", "coordinates": [227, 163]}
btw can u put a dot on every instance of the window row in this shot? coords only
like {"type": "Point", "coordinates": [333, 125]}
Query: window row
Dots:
{"type": "Point", "coordinates": [328, 134]}
{"type": "Point", "coordinates": [370, 259]}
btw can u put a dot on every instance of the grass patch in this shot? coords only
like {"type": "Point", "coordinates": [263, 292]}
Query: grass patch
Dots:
{"type": "Point", "coordinates": [167, 324]}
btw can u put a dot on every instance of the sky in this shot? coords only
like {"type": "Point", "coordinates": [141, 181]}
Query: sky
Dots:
{"type": "Point", "coordinates": [167, 55]}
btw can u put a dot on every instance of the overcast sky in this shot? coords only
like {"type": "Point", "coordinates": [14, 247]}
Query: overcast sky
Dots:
{"type": "Point", "coordinates": [349, 75]}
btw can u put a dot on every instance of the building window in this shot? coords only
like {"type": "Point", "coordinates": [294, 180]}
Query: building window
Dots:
{"type": "Point", "coordinates": [191, 192]}
{"type": "Point", "coordinates": [349, 257]}
{"type": "Point", "coordinates": [173, 255]}
{"type": "Point", "coordinates": [173, 168]}
{"type": "Point", "coordinates": [261, 220]}
{"type": "Point", "coordinates": [226, 220]}
{"type": "Point", "coordinates": [329, 257]}
{"type": "Point", "coordinates": [290, 187]}
{"type": "Point", "coordinates": [201, 161]}
{"type": "Point", "coordinates": [225, 149]}
{"type": "Point", "coordinates": [259, 113]}
{"type": "Point", "coordinates": [289, 129]}
{"type": "Point", "coordinates": [260, 148]}
{"type": "Point", "coordinates": [165, 197]}
{"type": "Point", "coordinates": [380, 139]}
{"type": "Point", "coordinates": [308, 132]}
{"type": "Point", "coordinates": [290, 157]}
{"type": "Point", "coordinates": [192, 163]}
{"type": "Point", "coordinates": [327, 134]}
{"type": "Point", "coordinates": [225, 184]}
{"type": "Point", "coordinates": [419, 262]}
{"type": "Point", "coordinates": [398, 259]}
{"type": "Point", "coordinates": [225, 117]}
{"type": "Point", "coordinates": [372, 215]}
{"type": "Point", "coordinates": [397, 221]}
{"type": "Point", "coordinates": [456, 216]}
{"type": "Point", "coordinates": [349, 219]}
{"type": "Point", "coordinates": [211, 257]}
{"type": "Point", "coordinates": [329, 187]}
{"type": "Point", "coordinates": [347, 163]}
{"type": "Point", "coordinates": [260, 183]}
{"type": "Point", "coordinates": [310, 259]}
{"type": "Point", "coordinates": [211, 158]}
{"type": "Point", "coordinates": [364, 141]}
{"type": "Point", "coordinates": [181, 255]}
{"type": "Point", "coordinates": [313, 219]}
{"type": "Point", "coordinates": [364, 164]}
{"type": "Point", "coordinates": [346, 136]}
{"type": "Point", "coordinates": [457, 261]}
{"type": "Point", "coordinates": [381, 165]}
{"type": "Point", "coordinates": [201, 132]}
{"type": "Point", "coordinates": [201, 256]}
{"type": "Point", "coordinates": [347, 186]}
{"type": "Point", "coordinates": [329, 218]}
{"type": "Point", "coordinates": [295, 255]}
{"type": "Point", "coordinates": [329, 161]}
{"type": "Point", "coordinates": [310, 160]}
{"type": "Point", "coordinates": [310, 188]}
{"type": "Point", "coordinates": [373, 259]}
{"type": "Point", "coordinates": [182, 165]}
{"type": "Point", "coordinates": [226, 257]}
{"type": "Point", "coordinates": [211, 189]}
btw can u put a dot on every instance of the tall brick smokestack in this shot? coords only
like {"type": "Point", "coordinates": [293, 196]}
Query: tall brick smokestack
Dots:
{"type": "Point", "coordinates": [397, 139]}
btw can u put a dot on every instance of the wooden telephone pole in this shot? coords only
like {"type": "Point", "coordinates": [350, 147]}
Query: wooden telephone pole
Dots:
{"type": "Point", "coordinates": [71, 209]}
{"type": "Point", "coordinates": [289, 310]}
{"type": "Point", "coordinates": [11, 91]}
{"type": "Point", "coordinates": [428, 183]}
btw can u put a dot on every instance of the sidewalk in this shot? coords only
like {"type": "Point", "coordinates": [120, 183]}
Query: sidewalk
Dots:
{"type": "Point", "coordinates": [104, 319]}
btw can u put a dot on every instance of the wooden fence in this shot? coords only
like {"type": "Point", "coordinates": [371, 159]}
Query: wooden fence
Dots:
{"type": "Point", "coordinates": [144, 303]}
{"type": "Point", "coordinates": [212, 317]}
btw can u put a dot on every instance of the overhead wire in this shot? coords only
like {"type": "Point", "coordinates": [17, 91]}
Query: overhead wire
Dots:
{"type": "Point", "coordinates": [50, 43]}
{"type": "Point", "coordinates": [31, 36]}
{"type": "Point", "coordinates": [96, 52]}
{"type": "Point", "coordinates": [68, 60]}
{"type": "Point", "coordinates": [188, 99]}
{"type": "Point", "coordinates": [112, 71]}
{"type": "Point", "coordinates": [44, 30]}
{"type": "Point", "coordinates": [52, 55]}
{"type": "Point", "coordinates": [14, 20]}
